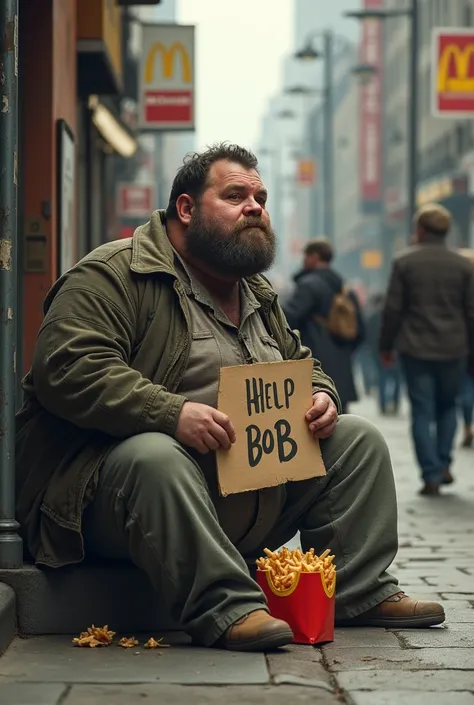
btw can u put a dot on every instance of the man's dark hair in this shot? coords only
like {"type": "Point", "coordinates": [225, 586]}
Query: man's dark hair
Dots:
{"type": "Point", "coordinates": [322, 247]}
{"type": "Point", "coordinates": [192, 177]}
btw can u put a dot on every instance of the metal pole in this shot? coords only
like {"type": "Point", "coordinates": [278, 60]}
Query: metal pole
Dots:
{"type": "Point", "coordinates": [328, 137]}
{"type": "Point", "coordinates": [384, 230]}
{"type": "Point", "coordinates": [11, 553]}
{"type": "Point", "coordinates": [413, 116]}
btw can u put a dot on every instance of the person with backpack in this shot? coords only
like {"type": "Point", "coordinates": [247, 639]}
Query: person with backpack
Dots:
{"type": "Point", "coordinates": [328, 317]}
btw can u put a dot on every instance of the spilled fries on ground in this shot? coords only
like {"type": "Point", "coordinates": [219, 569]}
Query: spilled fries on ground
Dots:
{"type": "Point", "coordinates": [103, 636]}
{"type": "Point", "coordinates": [95, 636]}
{"type": "Point", "coordinates": [128, 642]}
{"type": "Point", "coordinates": [154, 644]}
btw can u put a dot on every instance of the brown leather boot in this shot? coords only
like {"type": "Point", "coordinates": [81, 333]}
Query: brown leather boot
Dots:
{"type": "Point", "coordinates": [257, 631]}
{"type": "Point", "coordinates": [400, 612]}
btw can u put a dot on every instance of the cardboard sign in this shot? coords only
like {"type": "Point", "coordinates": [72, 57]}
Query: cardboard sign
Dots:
{"type": "Point", "coordinates": [267, 403]}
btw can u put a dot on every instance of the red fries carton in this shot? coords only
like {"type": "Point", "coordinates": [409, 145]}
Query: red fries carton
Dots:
{"type": "Point", "coordinates": [307, 604]}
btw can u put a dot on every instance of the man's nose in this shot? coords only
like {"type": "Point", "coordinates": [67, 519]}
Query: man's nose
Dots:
{"type": "Point", "coordinates": [252, 207]}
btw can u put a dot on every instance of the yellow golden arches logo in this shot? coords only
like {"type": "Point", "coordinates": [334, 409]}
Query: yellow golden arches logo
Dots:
{"type": "Point", "coordinates": [168, 59]}
{"type": "Point", "coordinates": [461, 83]}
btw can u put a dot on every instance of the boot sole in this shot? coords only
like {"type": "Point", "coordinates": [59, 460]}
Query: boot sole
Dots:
{"type": "Point", "coordinates": [415, 622]}
{"type": "Point", "coordinates": [268, 642]}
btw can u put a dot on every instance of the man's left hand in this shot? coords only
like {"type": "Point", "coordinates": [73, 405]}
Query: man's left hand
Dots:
{"type": "Point", "coordinates": [323, 416]}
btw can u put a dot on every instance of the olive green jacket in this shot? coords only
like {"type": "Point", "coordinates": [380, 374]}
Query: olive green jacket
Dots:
{"type": "Point", "coordinates": [109, 357]}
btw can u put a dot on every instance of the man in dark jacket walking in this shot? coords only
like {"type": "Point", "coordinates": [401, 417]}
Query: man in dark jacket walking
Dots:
{"type": "Point", "coordinates": [309, 308]}
{"type": "Point", "coordinates": [429, 319]}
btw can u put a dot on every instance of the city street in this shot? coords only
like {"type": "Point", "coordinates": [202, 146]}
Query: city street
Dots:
{"type": "Point", "coordinates": [362, 666]}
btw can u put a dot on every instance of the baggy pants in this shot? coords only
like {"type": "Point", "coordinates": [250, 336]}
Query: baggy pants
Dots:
{"type": "Point", "coordinates": [153, 506]}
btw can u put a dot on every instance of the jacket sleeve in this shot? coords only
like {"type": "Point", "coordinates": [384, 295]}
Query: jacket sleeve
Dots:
{"type": "Point", "coordinates": [469, 310]}
{"type": "Point", "coordinates": [301, 304]}
{"type": "Point", "coordinates": [81, 366]}
{"type": "Point", "coordinates": [295, 350]}
{"type": "Point", "coordinates": [393, 309]}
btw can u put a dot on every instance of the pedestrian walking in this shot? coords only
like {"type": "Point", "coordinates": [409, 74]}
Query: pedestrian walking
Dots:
{"type": "Point", "coordinates": [429, 319]}
{"type": "Point", "coordinates": [467, 386]}
{"type": "Point", "coordinates": [388, 377]}
{"type": "Point", "coordinates": [328, 316]}
{"type": "Point", "coordinates": [117, 437]}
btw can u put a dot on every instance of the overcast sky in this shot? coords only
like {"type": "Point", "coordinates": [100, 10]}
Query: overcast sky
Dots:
{"type": "Point", "coordinates": [240, 46]}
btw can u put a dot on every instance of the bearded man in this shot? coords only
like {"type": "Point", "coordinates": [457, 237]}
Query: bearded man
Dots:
{"type": "Point", "coordinates": [116, 440]}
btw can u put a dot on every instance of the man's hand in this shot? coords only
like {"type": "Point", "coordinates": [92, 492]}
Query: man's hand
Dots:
{"type": "Point", "coordinates": [322, 417]}
{"type": "Point", "coordinates": [204, 428]}
{"type": "Point", "coordinates": [388, 358]}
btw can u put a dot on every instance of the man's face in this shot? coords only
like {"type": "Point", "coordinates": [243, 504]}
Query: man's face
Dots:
{"type": "Point", "coordinates": [230, 228]}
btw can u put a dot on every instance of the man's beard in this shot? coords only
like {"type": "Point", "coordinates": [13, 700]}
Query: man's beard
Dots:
{"type": "Point", "coordinates": [246, 250]}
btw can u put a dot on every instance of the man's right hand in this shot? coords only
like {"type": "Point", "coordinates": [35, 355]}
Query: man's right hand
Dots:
{"type": "Point", "coordinates": [204, 428]}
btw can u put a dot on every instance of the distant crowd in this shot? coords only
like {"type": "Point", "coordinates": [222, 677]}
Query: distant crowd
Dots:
{"type": "Point", "coordinates": [417, 337]}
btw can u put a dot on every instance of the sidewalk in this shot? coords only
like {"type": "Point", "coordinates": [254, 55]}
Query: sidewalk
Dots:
{"type": "Point", "coordinates": [362, 667]}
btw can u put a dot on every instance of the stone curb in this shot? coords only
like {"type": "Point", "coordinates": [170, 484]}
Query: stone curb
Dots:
{"type": "Point", "coordinates": [7, 617]}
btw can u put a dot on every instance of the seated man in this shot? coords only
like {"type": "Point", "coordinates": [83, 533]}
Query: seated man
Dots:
{"type": "Point", "coordinates": [116, 440]}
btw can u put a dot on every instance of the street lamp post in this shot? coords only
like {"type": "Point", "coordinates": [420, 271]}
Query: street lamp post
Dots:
{"type": "Point", "coordinates": [412, 14]}
{"type": "Point", "coordinates": [329, 42]}
{"type": "Point", "coordinates": [308, 53]}
{"type": "Point", "coordinates": [11, 551]}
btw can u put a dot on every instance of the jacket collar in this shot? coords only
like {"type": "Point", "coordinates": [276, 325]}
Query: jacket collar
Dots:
{"type": "Point", "coordinates": [152, 253]}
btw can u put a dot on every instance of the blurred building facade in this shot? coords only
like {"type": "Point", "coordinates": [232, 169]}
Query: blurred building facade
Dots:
{"type": "Point", "coordinates": [370, 219]}
{"type": "Point", "coordinates": [445, 145]}
{"type": "Point", "coordinates": [71, 127]}
{"type": "Point", "coordinates": [292, 139]}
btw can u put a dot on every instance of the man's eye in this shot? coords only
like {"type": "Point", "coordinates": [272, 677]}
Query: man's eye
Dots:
{"type": "Point", "coordinates": [235, 196]}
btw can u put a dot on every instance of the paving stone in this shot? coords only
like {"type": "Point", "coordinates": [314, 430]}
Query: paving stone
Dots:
{"type": "Point", "coordinates": [177, 695]}
{"type": "Point", "coordinates": [370, 659]}
{"type": "Point", "coordinates": [462, 583]}
{"type": "Point", "coordinates": [362, 637]}
{"type": "Point", "coordinates": [55, 660]}
{"type": "Point", "coordinates": [458, 615]}
{"type": "Point", "coordinates": [299, 664]}
{"type": "Point", "coordinates": [422, 595]}
{"type": "Point", "coordinates": [457, 596]}
{"type": "Point", "coordinates": [456, 635]}
{"type": "Point", "coordinates": [394, 697]}
{"type": "Point", "coordinates": [31, 693]}
{"type": "Point", "coordinates": [425, 681]}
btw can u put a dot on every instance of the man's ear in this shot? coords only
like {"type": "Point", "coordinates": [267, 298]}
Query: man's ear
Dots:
{"type": "Point", "coordinates": [185, 208]}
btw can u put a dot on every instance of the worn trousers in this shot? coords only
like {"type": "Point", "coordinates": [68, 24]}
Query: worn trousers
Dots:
{"type": "Point", "coordinates": [153, 506]}
{"type": "Point", "coordinates": [433, 387]}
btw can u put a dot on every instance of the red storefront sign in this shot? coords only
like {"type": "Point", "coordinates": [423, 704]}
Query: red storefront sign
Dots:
{"type": "Point", "coordinates": [453, 72]}
{"type": "Point", "coordinates": [167, 82]}
{"type": "Point", "coordinates": [135, 200]}
{"type": "Point", "coordinates": [371, 113]}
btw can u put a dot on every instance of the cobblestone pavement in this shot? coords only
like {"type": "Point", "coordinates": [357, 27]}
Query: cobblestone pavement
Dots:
{"type": "Point", "coordinates": [362, 666]}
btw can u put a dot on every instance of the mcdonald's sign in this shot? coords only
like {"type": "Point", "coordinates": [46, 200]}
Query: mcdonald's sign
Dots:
{"type": "Point", "coordinates": [167, 85]}
{"type": "Point", "coordinates": [453, 72]}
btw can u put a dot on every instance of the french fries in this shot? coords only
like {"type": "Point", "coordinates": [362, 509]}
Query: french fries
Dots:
{"type": "Point", "coordinates": [103, 636]}
{"type": "Point", "coordinates": [154, 644]}
{"type": "Point", "coordinates": [285, 566]}
{"type": "Point", "coordinates": [128, 642]}
{"type": "Point", "coordinates": [95, 636]}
